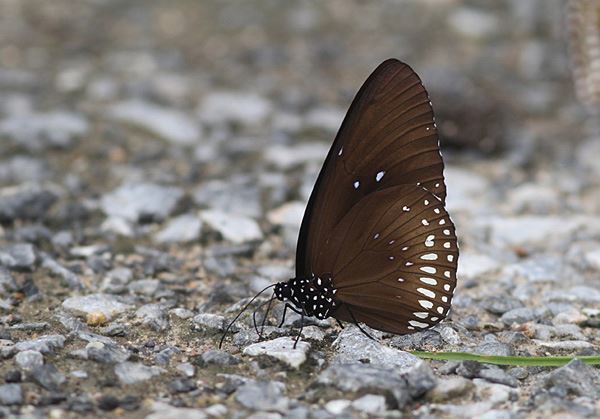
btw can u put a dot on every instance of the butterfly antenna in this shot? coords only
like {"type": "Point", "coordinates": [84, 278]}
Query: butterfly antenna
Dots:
{"type": "Point", "coordinates": [240, 313]}
{"type": "Point", "coordinates": [264, 318]}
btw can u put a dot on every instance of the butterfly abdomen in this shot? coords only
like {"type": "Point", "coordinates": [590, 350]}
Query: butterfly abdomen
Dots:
{"type": "Point", "coordinates": [313, 296]}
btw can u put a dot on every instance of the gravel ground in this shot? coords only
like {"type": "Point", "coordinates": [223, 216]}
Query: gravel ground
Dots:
{"type": "Point", "coordinates": [155, 160]}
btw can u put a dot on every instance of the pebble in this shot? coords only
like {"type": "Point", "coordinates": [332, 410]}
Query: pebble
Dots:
{"type": "Point", "coordinates": [18, 256]}
{"type": "Point", "coordinates": [166, 123]}
{"type": "Point", "coordinates": [289, 214]}
{"type": "Point", "coordinates": [105, 304]}
{"type": "Point", "coordinates": [519, 316]}
{"type": "Point", "coordinates": [352, 346]}
{"type": "Point", "coordinates": [106, 353]}
{"type": "Point", "coordinates": [29, 359]}
{"type": "Point", "coordinates": [48, 376]}
{"type": "Point", "coordinates": [449, 388]}
{"type": "Point", "coordinates": [234, 228]}
{"type": "Point", "coordinates": [218, 357]}
{"type": "Point", "coordinates": [147, 287]}
{"type": "Point", "coordinates": [565, 345]}
{"type": "Point", "coordinates": [211, 321]}
{"type": "Point", "coordinates": [234, 107]}
{"type": "Point", "coordinates": [26, 202]}
{"type": "Point", "coordinates": [11, 395]}
{"type": "Point", "coordinates": [186, 369]}
{"type": "Point", "coordinates": [282, 349]}
{"type": "Point", "coordinates": [181, 229]}
{"type": "Point", "coordinates": [7, 282]}
{"type": "Point", "coordinates": [141, 202]}
{"type": "Point", "coordinates": [494, 349]}
{"type": "Point", "coordinates": [116, 280]}
{"type": "Point", "coordinates": [154, 316]}
{"type": "Point", "coordinates": [165, 411]}
{"type": "Point", "coordinates": [262, 395]}
{"type": "Point", "coordinates": [576, 378]}
{"type": "Point", "coordinates": [46, 344]}
{"type": "Point", "coordinates": [135, 372]}
{"type": "Point", "coordinates": [546, 268]}
{"type": "Point", "coordinates": [371, 404]}
{"type": "Point", "coordinates": [238, 196]}
{"type": "Point", "coordinates": [475, 265]}
{"type": "Point", "coordinates": [580, 294]}
{"type": "Point", "coordinates": [39, 131]}
{"type": "Point", "coordinates": [22, 169]}
{"type": "Point", "coordinates": [497, 304]}
{"type": "Point", "coordinates": [70, 278]}
{"type": "Point", "coordinates": [404, 384]}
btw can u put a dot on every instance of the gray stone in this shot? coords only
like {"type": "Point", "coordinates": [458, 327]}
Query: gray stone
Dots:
{"type": "Point", "coordinates": [116, 280]}
{"type": "Point", "coordinates": [218, 357]}
{"type": "Point", "coordinates": [519, 316]}
{"type": "Point", "coordinates": [449, 388]}
{"type": "Point", "coordinates": [398, 384]}
{"type": "Point", "coordinates": [7, 282]}
{"type": "Point", "coordinates": [165, 355]}
{"type": "Point", "coordinates": [45, 344]}
{"type": "Point", "coordinates": [282, 349]}
{"type": "Point", "coordinates": [147, 287]}
{"type": "Point", "coordinates": [576, 378]}
{"type": "Point", "coordinates": [474, 265]}
{"type": "Point", "coordinates": [238, 196]}
{"type": "Point", "coordinates": [494, 349]}
{"type": "Point", "coordinates": [500, 304]}
{"type": "Point", "coordinates": [181, 229]}
{"type": "Point", "coordinates": [70, 278]}
{"type": "Point", "coordinates": [18, 257]}
{"type": "Point", "coordinates": [29, 359]}
{"type": "Point", "coordinates": [154, 316]}
{"type": "Point", "coordinates": [541, 269]}
{"type": "Point", "coordinates": [187, 369]}
{"type": "Point", "coordinates": [262, 395]}
{"type": "Point", "coordinates": [210, 321]}
{"type": "Point", "coordinates": [105, 353]}
{"type": "Point", "coordinates": [580, 294]}
{"type": "Point", "coordinates": [143, 202]}
{"type": "Point", "coordinates": [11, 395]}
{"type": "Point", "coordinates": [165, 411]}
{"type": "Point", "coordinates": [234, 107]}
{"type": "Point", "coordinates": [234, 228]}
{"type": "Point", "coordinates": [39, 131]}
{"type": "Point", "coordinates": [21, 169]}
{"type": "Point", "coordinates": [92, 304]}
{"type": "Point", "coordinates": [166, 123]}
{"type": "Point", "coordinates": [48, 376]}
{"type": "Point", "coordinates": [352, 346]}
{"type": "Point", "coordinates": [370, 403]}
{"type": "Point", "coordinates": [134, 372]}
{"type": "Point", "coordinates": [496, 375]}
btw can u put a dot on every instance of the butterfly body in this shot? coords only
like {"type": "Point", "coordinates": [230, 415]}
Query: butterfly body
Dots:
{"type": "Point", "coordinates": [313, 296]}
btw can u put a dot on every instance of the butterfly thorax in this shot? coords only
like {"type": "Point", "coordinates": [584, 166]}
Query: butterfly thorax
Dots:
{"type": "Point", "coordinates": [313, 296]}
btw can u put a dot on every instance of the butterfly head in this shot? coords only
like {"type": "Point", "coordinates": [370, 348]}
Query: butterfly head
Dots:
{"type": "Point", "coordinates": [282, 291]}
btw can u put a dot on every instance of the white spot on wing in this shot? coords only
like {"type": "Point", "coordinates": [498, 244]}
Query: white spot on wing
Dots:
{"type": "Point", "coordinates": [424, 222]}
{"type": "Point", "coordinates": [429, 240]}
{"type": "Point", "coordinates": [418, 324]}
{"type": "Point", "coordinates": [440, 310]}
{"type": "Point", "coordinates": [426, 292]}
{"type": "Point", "coordinates": [429, 256]}
{"type": "Point", "coordinates": [356, 184]}
{"type": "Point", "coordinates": [379, 175]}
{"type": "Point", "coordinates": [421, 314]}
{"type": "Point", "coordinates": [428, 281]}
{"type": "Point", "coordinates": [428, 269]}
{"type": "Point", "coordinates": [425, 303]}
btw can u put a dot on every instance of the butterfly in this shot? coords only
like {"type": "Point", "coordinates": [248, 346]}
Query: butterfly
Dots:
{"type": "Point", "coordinates": [376, 244]}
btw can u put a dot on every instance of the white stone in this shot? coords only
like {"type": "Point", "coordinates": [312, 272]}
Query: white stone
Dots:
{"type": "Point", "coordinates": [282, 349]}
{"type": "Point", "coordinates": [593, 258]}
{"type": "Point", "coordinates": [95, 303]}
{"type": "Point", "coordinates": [166, 123]}
{"type": "Point", "coordinates": [370, 403]}
{"type": "Point", "coordinates": [239, 107]}
{"type": "Point", "coordinates": [181, 229]}
{"type": "Point", "coordinates": [337, 407]}
{"type": "Point", "coordinates": [473, 265]}
{"type": "Point", "coordinates": [235, 228]}
{"type": "Point", "coordinates": [289, 214]}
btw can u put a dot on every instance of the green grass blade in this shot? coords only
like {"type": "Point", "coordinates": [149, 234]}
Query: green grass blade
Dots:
{"type": "Point", "coordinates": [528, 361]}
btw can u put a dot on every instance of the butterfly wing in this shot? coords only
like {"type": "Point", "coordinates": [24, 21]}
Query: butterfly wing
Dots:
{"type": "Point", "coordinates": [387, 138]}
{"type": "Point", "coordinates": [393, 260]}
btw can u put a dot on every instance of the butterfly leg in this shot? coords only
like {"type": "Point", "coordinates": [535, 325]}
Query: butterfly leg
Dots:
{"type": "Point", "coordinates": [262, 324]}
{"type": "Point", "coordinates": [300, 331]}
{"type": "Point", "coordinates": [339, 323]}
{"type": "Point", "coordinates": [291, 307]}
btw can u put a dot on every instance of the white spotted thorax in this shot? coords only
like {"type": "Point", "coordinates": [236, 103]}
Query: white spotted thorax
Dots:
{"type": "Point", "coordinates": [314, 296]}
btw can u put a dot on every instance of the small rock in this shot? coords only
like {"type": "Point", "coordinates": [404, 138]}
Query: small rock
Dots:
{"type": "Point", "coordinates": [497, 304]}
{"type": "Point", "coordinates": [282, 349]}
{"type": "Point", "coordinates": [26, 202]}
{"type": "Point", "coordinates": [239, 196]}
{"type": "Point", "coordinates": [133, 372]}
{"type": "Point", "coordinates": [235, 228]}
{"type": "Point", "coordinates": [169, 124]}
{"type": "Point", "coordinates": [566, 345]}
{"type": "Point", "coordinates": [141, 202]}
{"type": "Point", "coordinates": [289, 214]}
{"type": "Point", "coordinates": [147, 287]}
{"type": "Point", "coordinates": [48, 377]}
{"type": "Point", "coordinates": [11, 395]}
{"type": "Point", "coordinates": [187, 369]}
{"type": "Point", "coordinates": [18, 257]}
{"type": "Point", "coordinates": [337, 407]}
{"type": "Point", "coordinates": [236, 107]}
{"type": "Point", "coordinates": [182, 385]}
{"type": "Point", "coordinates": [116, 280]}
{"type": "Point", "coordinates": [39, 131]}
{"type": "Point", "coordinates": [519, 316]}
{"type": "Point", "coordinates": [106, 353]}
{"type": "Point", "coordinates": [580, 294]}
{"type": "Point", "coordinates": [45, 344]}
{"type": "Point", "coordinates": [450, 388]}
{"type": "Point", "coordinates": [184, 228]}
{"type": "Point", "coordinates": [7, 282]}
{"type": "Point", "coordinates": [370, 403]}
{"type": "Point", "coordinates": [182, 313]}
{"type": "Point", "coordinates": [494, 349]}
{"type": "Point", "coordinates": [576, 378]}
{"type": "Point", "coordinates": [449, 335]}
{"type": "Point", "coordinates": [28, 360]}
{"type": "Point", "coordinates": [105, 304]}
{"type": "Point", "coordinates": [496, 375]}
{"type": "Point", "coordinates": [165, 411]}
{"type": "Point", "coordinates": [70, 278]}
{"type": "Point", "coordinates": [218, 357]}
{"type": "Point", "coordinates": [352, 346]}
{"type": "Point", "coordinates": [154, 316]}
{"type": "Point", "coordinates": [165, 355]}
{"type": "Point", "coordinates": [313, 333]}
{"type": "Point", "coordinates": [474, 265]}
{"type": "Point", "coordinates": [210, 321]}
{"type": "Point", "coordinates": [262, 395]}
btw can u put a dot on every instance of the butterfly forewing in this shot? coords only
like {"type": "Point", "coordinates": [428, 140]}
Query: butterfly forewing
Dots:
{"type": "Point", "coordinates": [388, 138]}
{"type": "Point", "coordinates": [376, 220]}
